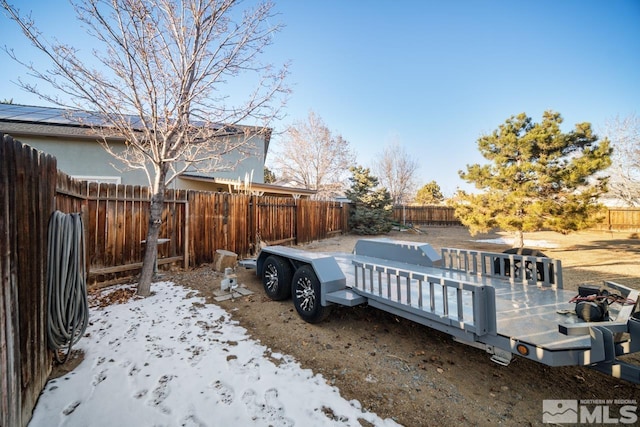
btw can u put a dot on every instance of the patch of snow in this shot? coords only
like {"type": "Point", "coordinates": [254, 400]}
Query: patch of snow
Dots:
{"type": "Point", "coordinates": [527, 243]}
{"type": "Point", "coordinates": [172, 360]}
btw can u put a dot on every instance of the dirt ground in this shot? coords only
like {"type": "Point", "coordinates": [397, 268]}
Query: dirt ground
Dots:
{"type": "Point", "coordinates": [421, 377]}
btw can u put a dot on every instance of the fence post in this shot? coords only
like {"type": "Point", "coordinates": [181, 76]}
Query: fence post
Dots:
{"type": "Point", "coordinates": [186, 232]}
{"type": "Point", "coordinates": [251, 224]}
{"type": "Point", "coordinates": [295, 220]}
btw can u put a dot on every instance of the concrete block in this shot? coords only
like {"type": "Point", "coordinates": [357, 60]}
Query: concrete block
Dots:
{"type": "Point", "coordinates": [224, 259]}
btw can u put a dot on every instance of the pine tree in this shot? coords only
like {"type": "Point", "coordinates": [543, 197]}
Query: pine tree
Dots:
{"type": "Point", "coordinates": [540, 178]}
{"type": "Point", "coordinates": [429, 194]}
{"type": "Point", "coordinates": [371, 205]}
{"type": "Point", "coordinates": [269, 176]}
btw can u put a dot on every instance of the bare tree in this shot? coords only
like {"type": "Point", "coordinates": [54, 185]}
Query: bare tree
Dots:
{"type": "Point", "coordinates": [313, 157]}
{"type": "Point", "coordinates": [159, 85]}
{"type": "Point", "coordinates": [624, 183]}
{"type": "Point", "coordinates": [396, 171]}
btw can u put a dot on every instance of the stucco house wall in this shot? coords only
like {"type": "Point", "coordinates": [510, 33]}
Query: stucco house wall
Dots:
{"type": "Point", "coordinates": [80, 154]}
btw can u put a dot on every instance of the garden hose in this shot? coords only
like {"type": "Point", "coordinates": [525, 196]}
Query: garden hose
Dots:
{"type": "Point", "coordinates": [68, 308]}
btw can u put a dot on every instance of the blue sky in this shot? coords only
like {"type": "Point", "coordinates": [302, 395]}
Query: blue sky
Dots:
{"type": "Point", "coordinates": [432, 75]}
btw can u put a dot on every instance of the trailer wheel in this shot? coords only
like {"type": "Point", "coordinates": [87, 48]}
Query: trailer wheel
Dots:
{"type": "Point", "coordinates": [305, 289]}
{"type": "Point", "coordinates": [528, 267]}
{"type": "Point", "coordinates": [276, 278]}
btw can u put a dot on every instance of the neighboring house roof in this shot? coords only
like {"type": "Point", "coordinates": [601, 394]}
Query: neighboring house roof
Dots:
{"type": "Point", "coordinates": [239, 186]}
{"type": "Point", "coordinates": [68, 125]}
{"type": "Point", "coordinates": [288, 183]}
{"type": "Point", "coordinates": [49, 121]}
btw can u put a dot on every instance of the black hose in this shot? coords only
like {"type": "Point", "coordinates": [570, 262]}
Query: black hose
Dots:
{"type": "Point", "coordinates": [68, 308]}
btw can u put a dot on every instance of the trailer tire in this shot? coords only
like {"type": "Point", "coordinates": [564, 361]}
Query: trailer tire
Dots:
{"type": "Point", "coordinates": [276, 278]}
{"type": "Point", "coordinates": [306, 292]}
{"type": "Point", "coordinates": [527, 265]}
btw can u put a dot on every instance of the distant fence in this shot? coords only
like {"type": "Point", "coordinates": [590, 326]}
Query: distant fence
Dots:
{"type": "Point", "coordinates": [620, 219]}
{"type": "Point", "coordinates": [615, 219]}
{"type": "Point", "coordinates": [425, 215]}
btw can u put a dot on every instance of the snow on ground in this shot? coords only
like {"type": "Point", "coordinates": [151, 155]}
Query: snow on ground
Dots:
{"type": "Point", "coordinates": [527, 243]}
{"type": "Point", "coordinates": [171, 360]}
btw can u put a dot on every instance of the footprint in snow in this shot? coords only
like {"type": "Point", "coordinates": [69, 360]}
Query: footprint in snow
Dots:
{"type": "Point", "coordinates": [269, 410]}
{"type": "Point", "coordinates": [71, 407]}
{"type": "Point", "coordinates": [160, 351]}
{"type": "Point", "coordinates": [225, 393]}
{"type": "Point", "coordinates": [251, 369]}
{"type": "Point", "coordinates": [134, 370]}
{"type": "Point", "coordinates": [132, 331]}
{"type": "Point", "coordinates": [101, 376]}
{"type": "Point", "coordinates": [160, 393]}
{"type": "Point", "coordinates": [192, 421]}
{"type": "Point", "coordinates": [197, 354]}
{"type": "Point", "coordinates": [140, 394]}
{"type": "Point", "coordinates": [183, 336]}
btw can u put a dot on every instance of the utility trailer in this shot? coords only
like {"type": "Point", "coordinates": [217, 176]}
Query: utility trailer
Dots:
{"type": "Point", "coordinates": [503, 303]}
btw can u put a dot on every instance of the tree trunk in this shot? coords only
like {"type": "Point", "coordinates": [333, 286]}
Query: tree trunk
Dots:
{"type": "Point", "coordinates": [518, 241]}
{"type": "Point", "coordinates": [151, 246]}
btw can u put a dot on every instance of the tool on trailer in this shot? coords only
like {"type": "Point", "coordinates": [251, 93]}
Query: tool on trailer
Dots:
{"type": "Point", "coordinates": [592, 303]}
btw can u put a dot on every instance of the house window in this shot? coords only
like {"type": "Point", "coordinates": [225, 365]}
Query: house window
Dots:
{"type": "Point", "coordinates": [99, 179]}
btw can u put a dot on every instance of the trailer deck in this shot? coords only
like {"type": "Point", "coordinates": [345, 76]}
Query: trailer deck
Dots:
{"type": "Point", "coordinates": [531, 315]}
{"type": "Point", "coordinates": [506, 304]}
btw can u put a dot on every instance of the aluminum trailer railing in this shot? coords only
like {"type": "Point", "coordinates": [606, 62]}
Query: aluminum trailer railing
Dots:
{"type": "Point", "coordinates": [503, 303]}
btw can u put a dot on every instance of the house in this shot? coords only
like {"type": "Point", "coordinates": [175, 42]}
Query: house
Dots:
{"type": "Point", "coordinates": [79, 153]}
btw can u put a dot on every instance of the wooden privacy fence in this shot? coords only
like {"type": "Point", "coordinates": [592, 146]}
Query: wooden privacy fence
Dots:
{"type": "Point", "coordinates": [615, 219]}
{"type": "Point", "coordinates": [239, 222]}
{"type": "Point", "coordinates": [195, 224]}
{"type": "Point", "coordinates": [115, 220]}
{"type": "Point", "coordinates": [27, 191]}
{"type": "Point", "coordinates": [425, 215]}
{"type": "Point", "coordinates": [620, 219]}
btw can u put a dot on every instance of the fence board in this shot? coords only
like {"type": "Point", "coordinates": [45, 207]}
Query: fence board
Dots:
{"type": "Point", "coordinates": [27, 191]}
{"type": "Point", "coordinates": [10, 390]}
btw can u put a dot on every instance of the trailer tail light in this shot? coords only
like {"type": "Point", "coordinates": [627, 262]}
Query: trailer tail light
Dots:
{"type": "Point", "coordinates": [522, 349]}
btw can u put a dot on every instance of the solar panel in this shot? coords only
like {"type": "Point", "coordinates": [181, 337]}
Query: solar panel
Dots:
{"type": "Point", "coordinates": [59, 116]}
{"type": "Point", "coordinates": [24, 113]}
{"type": "Point", "coordinates": [32, 114]}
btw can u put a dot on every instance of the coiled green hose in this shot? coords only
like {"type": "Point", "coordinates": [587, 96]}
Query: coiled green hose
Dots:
{"type": "Point", "coordinates": [68, 308]}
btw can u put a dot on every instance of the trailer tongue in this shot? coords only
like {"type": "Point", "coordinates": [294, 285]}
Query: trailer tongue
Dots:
{"type": "Point", "coordinates": [504, 303]}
